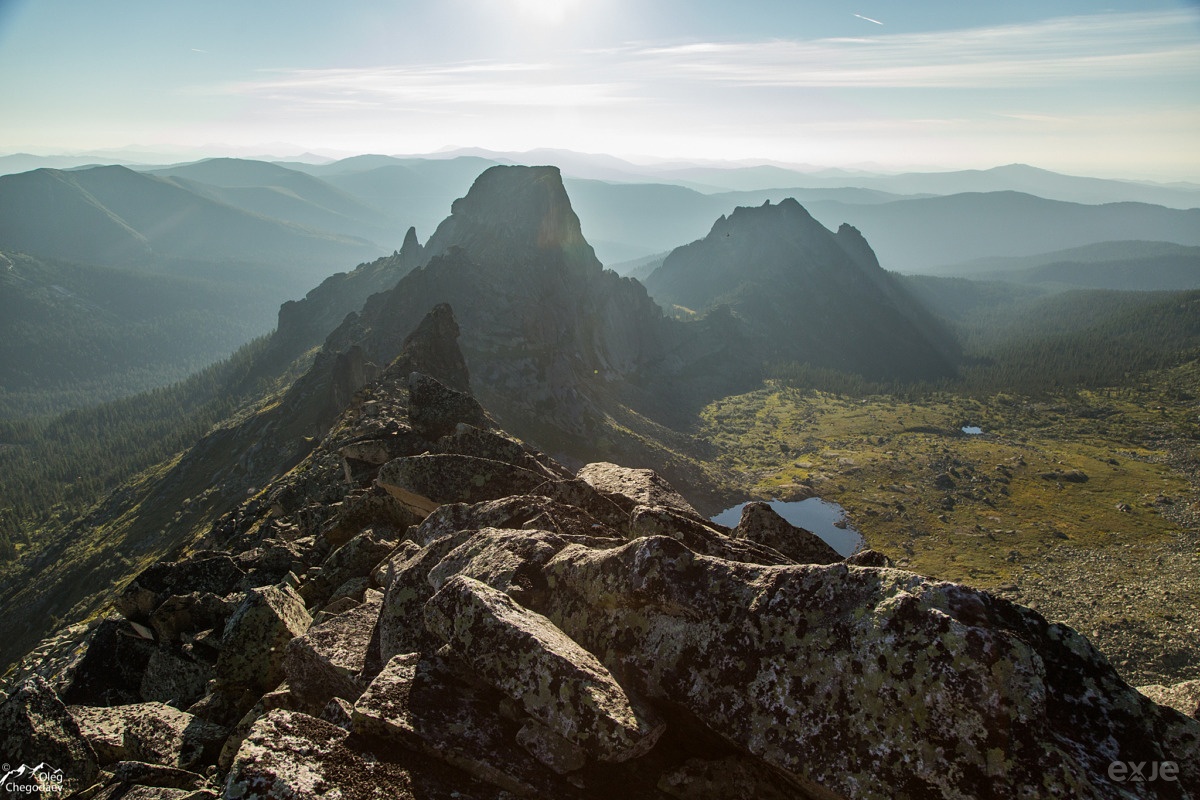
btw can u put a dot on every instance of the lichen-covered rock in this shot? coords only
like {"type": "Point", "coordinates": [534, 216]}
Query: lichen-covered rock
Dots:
{"type": "Point", "coordinates": [371, 507]}
{"type": "Point", "coordinates": [869, 558]}
{"type": "Point", "coordinates": [508, 560]}
{"type": "Point", "coordinates": [153, 733]}
{"type": "Point", "coordinates": [533, 512]}
{"type": "Point", "coordinates": [143, 774]}
{"type": "Point", "coordinates": [357, 558]}
{"type": "Point", "coordinates": [951, 691]}
{"type": "Point", "coordinates": [643, 486]}
{"type": "Point", "coordinates": [526, 657]}
{"type": "Point", "coordinates": [467, 440]}
{"type": "Point", "coordinates": [37, 730]}
{"type": "Point", "coordinates": [435, 409]}
{"type": "Point", "coordinates": [549, 748]}
{"type": "Point", "coordinates": [427, 481]}
{"type": "Point", "coordinates": [192, 612]}
{"type": "Point", "coordinates": [208, 572]}
{"type": "Point", "coordinates": [377, 449]}
{"type": "Point", "coordinates": [401, 621]}
{"type": "Point", "coordinates": [163, 793]}
{"type": "Point", "coordinates": [328, 660]}
{"type": "Point", "coordinates": [293, 755]}
{"type": "Point", "coordinates": [339, 712]}
{"type": "Point", "coordinates": [256, 637]}
{"type": "Point", "coordinates": [730, 778]}
{"type": "Point", "coordinates": [760, 523]}
{"type": "Point", "coordinates": [701, 536]}
{"type": "Point", "coordinates": [175, 678]}
{"type": "Point", "coordinates": [417, 703]}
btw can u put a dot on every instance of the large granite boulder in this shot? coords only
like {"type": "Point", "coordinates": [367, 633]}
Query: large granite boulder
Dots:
{"type": "Point", "coordinates": [952, 692]}
{"type": "Point", "coordinates": [257, 635]}
{"type": "Point", "coordinates": [328, 660]}
{"type": "Point", "coordinates": [40, 738]}
{"type": "Point", "coordinates": [555, 680]}
{"type": "Point", "coordinates": [153, 733]}
{"type": "Point", "coordinates": [643, 486]}
{"type": "Point", "coordinates": [418, 702]}
{"type": "Point", "coordinates": [292, 755]}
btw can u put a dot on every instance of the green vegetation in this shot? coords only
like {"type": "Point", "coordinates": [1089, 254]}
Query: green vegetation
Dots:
{"type": "Point", "coordinates": [52, 469]}
{"type": "Point", "coordinates": [73, 336]}
{"type": "Point", "coordinates": [1086, 466]}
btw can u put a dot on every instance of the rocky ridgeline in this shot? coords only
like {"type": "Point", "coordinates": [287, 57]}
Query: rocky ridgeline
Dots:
{"type": "Point", "coordinates": [426, 607]}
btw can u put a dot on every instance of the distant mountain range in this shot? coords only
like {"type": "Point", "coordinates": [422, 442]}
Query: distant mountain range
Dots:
{"type": "Point", "coordinates": [115, 216]}
{"type": "Point", "coordinates": [281, 228]}
{"type": "Point", "coordinates": [1125, 265]}
{"type": "Point", "coordinates": [630, 211]}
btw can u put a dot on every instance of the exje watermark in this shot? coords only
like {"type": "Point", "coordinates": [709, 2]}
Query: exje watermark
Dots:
{"type": "Point", "coordinates": [25, 780]}
{"type": "Point", "coordinates": [1143, 771]}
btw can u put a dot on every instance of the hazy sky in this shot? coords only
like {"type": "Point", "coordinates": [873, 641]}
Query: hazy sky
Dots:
{"type": "Point", "coordinates": [1107, 88]}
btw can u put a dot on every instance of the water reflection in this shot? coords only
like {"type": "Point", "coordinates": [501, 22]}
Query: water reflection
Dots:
{"type": "Point", "coordinates": [822, 517]}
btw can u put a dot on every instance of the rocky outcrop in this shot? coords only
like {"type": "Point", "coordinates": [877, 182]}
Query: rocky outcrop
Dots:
{"type": "Point", "coordinates": [810, 296]}
{"type": "Point", "coordinates": [536, 633]}
{"type": "Point", "coordinates": [760, 523]}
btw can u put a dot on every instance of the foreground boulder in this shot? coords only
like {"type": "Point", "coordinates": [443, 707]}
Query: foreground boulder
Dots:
{"type": "Point", "coordinates": [556, 681]}
{"type": "Point", "coordinates": [257, 635]}
{"type": "Point", "coordinates": [36, 731]}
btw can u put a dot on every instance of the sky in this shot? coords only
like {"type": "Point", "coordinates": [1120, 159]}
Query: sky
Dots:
{"type": "Point", "coordinates": [1099, 88]}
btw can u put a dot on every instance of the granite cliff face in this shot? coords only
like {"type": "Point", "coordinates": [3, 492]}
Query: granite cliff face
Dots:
{"type": "Point", "coordinates": [426, 607]}
{"type": "Point", "coordinates": [810, 295]}
{"type": "Point", "coordinates": [557, 344]}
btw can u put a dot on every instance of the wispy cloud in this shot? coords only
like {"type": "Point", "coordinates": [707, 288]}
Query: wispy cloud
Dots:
{"type": "Point", "coordinates": [1044, 54]}
{"type": "Point", "coordinates": [471, 83]}
{"type": "Point", "coordinates": [1091, 48]}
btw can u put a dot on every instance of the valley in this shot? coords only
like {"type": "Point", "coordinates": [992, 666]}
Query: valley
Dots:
{"type": "Point", "coordinates": [1083, 505]}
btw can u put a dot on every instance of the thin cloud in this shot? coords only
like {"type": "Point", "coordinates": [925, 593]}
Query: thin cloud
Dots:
{"type": "Point", "coordinates": [1061, 51]}
{"type": "Point", "coordinates": [475, 83]}
{"type": "Point", "coordinates": [868, 19]}
{"type": "Point", "coordinates": [1091, 48]}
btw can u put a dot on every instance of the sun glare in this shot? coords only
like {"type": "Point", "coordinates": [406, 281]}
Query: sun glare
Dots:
{"type": "Point", "coordinates": [545, 12]}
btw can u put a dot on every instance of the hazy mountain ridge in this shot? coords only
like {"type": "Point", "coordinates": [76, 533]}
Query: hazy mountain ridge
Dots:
{"type": "Point", "coordinates": [1130, 265]}
{"type": "Point", "coordinates": [810, 295]}
{"type": "Point", "coordinates": [115, 216]}
{"type": "Point", "coordinates": [628, 216]}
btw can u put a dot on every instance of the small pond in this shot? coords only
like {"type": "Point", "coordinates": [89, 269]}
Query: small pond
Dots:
{"type": "Point", "coordinates": [972, 430]}
{"type": "Point", "coordinates": [825, 519]}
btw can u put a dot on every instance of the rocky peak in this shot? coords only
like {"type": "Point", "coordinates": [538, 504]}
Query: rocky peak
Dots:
{"type": "Point", "coordinates": [810, 295]}
{"type": "Point", "coordinates": [523, 212]}
{"type": "Point", "coordinates": [411, 251]}
{"type": "Point", "coordinates": [855, 245]}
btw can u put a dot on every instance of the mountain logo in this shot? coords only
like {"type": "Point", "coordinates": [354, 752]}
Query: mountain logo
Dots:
{"type": "Point", "coordinates": [42, 778]}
